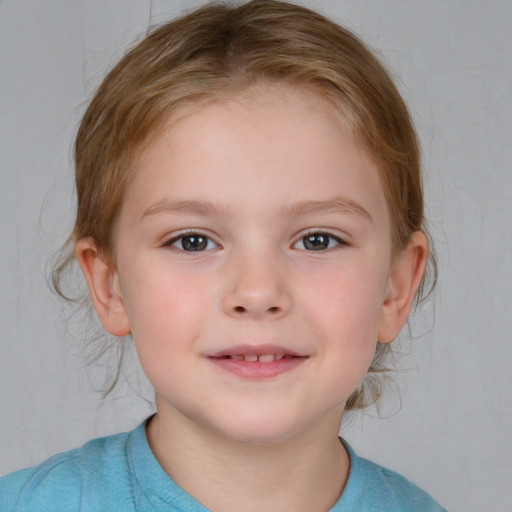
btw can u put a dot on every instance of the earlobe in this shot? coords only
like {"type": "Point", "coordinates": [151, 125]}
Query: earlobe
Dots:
{"type": "Point", "coordinates": [404, 280]}
{"type": "Point", "coordinates": [104, 288]}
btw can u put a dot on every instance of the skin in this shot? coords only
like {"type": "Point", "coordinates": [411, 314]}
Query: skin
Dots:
{"type": "Point", "coordinates": [277, 166]}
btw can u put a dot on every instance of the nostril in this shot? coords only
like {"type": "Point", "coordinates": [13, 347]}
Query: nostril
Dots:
{"type": "Point", "coordinates": [239, 310]}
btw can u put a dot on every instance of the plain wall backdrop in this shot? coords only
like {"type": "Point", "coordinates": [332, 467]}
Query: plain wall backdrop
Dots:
{"type": "Point", "coordinates": [450, 430]}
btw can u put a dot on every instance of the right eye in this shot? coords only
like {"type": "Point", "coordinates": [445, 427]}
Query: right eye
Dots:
{"type": "Point", "coordinates": [191, 242]}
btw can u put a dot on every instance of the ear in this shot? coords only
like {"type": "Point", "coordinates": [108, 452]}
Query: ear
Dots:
{"type": "Point", "coordinates": [404, 279]}
{"type": "Point", "coordinates": [104, 288]}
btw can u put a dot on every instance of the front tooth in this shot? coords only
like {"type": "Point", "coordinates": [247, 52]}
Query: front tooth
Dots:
{"type": "Point", "coordinates": [251, 357]}
{"type": "Point", "coordinates": [266, 358]}
{"type": "Point", "coordinates": [279, 356]}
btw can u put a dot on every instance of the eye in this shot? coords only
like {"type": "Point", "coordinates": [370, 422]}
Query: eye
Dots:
{"type": "Point", "coordinates": [318, 241]}
{"type": "Point", "coordinates": [191, 242]}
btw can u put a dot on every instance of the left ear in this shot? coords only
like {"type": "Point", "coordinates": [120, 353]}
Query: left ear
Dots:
{"type": "Point", "coordinates": [405, 277]}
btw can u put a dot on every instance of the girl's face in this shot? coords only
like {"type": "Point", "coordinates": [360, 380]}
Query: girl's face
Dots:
{"type": "Point", "coordinates": [254, 266]}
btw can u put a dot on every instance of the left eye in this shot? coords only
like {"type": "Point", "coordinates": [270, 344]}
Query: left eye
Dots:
{"type": "Point", "coordinates": [192, 242]}
{"type": "Point", "coordinates": [317, 242]}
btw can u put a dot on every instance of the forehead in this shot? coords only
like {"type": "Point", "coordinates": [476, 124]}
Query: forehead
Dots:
{"type": "Point", "coordinates": [243, 142]}
{"type": "Point", "coordinates": [254, 96]}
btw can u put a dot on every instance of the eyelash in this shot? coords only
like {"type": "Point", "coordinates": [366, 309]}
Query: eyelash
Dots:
{"type": "Point", "coordinates": [189, 235]}
{"type": "Point", "coordinates": [305, 240]}
{"type": "Point", "coordinates": [319, 233]}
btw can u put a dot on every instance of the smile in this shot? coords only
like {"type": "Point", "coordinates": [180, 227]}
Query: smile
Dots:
{"type": "Point", "coordinates": [253, 358]}
{"type": "Point", "coordinates": [257, 362]}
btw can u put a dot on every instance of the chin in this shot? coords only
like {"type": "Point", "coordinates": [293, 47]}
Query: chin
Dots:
{"type": "Point", "coordinates": [260, 430]}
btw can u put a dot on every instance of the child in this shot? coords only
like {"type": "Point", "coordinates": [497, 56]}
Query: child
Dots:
{"type": "Point", "coordinates": [250, 211]}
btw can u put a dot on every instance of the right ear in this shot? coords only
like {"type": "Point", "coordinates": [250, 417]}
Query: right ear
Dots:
{"type": "Point", "coordinates": [104, 288]}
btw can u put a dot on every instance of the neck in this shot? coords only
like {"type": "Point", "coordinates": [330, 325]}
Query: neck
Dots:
{"type": "Point", "coordinates": [306, 472]}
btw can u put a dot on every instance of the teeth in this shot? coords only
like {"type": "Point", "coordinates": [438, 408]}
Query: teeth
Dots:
{"type": "Point", "coordinates": [263, 358]}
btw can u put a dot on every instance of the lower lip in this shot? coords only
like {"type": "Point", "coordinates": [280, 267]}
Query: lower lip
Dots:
{"type": "Point", "coordinates": [257, 370]}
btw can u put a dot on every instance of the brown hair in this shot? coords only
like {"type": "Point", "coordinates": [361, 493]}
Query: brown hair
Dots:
{"type": "Point", "coordinates": [217, 50]}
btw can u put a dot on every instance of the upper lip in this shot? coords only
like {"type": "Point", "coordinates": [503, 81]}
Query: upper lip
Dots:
{"type": "Point", "coordinates": [254, 350]}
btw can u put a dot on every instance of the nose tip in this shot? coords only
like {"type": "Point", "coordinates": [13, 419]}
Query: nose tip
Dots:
{"type": "Point", "coordinates": [257, 290]}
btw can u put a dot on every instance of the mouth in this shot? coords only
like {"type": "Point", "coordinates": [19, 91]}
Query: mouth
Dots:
{"type": "Point", "coordinates": [257, 362]}
{"type": "Point", "coordinates": [259, 358]}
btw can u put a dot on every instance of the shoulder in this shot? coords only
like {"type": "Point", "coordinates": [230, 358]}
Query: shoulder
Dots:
{"type": "Point", "coordinates": [393, 488]}
{"type": "Point", "coordinates": [37, 488]}
{"type": "Point", "coordinates": [59, 483]}
{"type": "Point", "coordinates": [371, 487]}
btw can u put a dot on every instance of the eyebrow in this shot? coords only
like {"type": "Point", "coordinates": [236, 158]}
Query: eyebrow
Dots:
{"type": "Point", "coordinates": [184, 206]}
{"type": "Point", "coordinates": [336, 204]}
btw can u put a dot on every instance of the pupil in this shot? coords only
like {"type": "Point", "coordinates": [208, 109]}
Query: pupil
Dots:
{"type": "Point", "coordinates": [194, 243]}
{"type": "Point", "coordinates": [316, 242]}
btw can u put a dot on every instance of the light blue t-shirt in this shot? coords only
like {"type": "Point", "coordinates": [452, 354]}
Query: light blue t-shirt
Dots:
{"type": "Point", "coordinates": [120, 473]}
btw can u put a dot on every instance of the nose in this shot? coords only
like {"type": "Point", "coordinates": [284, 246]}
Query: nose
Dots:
{"type": "Point", "coordinates": [257, 289]}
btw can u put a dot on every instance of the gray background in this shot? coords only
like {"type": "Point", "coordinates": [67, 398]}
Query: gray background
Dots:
{"type": "Point", "coordinates": [449, 429]}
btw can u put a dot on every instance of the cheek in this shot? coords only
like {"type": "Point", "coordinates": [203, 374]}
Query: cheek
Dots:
{"type": "Point", "coordinates": [346, 302]}
{"type": "Point", "coordinates": [166, 312]}
{"type": "Point", "coordinates": [343, 310]}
